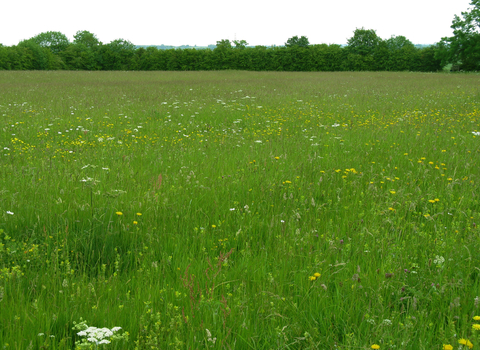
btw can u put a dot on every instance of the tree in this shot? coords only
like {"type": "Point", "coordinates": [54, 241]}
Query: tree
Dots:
{"type": "Point", "coordinates": [296, 41]}
{"type": "Point", "coordinates": [55, 41]}
{"type": "Point", "coordinates": [398, 43]}
{"type": "Point", "coordinates": [118, 54]}
{"type": "Point", "coordinates": [223, 45]}
{"type": "Point", "coordinates": [363, 42]}
{"type": "Point", "coordinates": [86, 38]}
{"type": "Point", "coordinates": [240, 44]}
{"type": "Point", "coordinates": [463, 47]}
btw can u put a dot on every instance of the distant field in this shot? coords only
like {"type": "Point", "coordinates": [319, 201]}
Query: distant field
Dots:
{"type": "Point", "coordinates": [239, 210]}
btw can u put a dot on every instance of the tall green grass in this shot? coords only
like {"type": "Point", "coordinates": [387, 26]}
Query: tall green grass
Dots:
{"type": "Point", "coordinates": [240, 210]}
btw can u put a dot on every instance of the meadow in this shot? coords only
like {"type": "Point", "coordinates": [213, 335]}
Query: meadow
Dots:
{"type": "Point", "coordinates": [239, 210]}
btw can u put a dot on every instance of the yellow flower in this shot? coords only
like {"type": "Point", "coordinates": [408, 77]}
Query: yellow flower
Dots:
{"type": "Point", "coordinates": [214, 226]}
{"type": "Point", "coordinates": [447, 347]}
{"type": "Point", "coordinates": [392, 192]}
{"type": "Point", "coordinates": [119, 213]}
{"type": "Point", "coordinates": [476, 327]}
{"type": "Point", "coordinates": [375, 346]}
{"type": "Point", "coordinates": [316, 274]}
{"type": "Point", "coordinates": [135, 222]}
{"type": "Point", "coordinates": [139, 214]}
{"type": "Point", "coordinates": [469, 344]}
{"type": "Point", "coordinates": [431, 201]}
{"type": "Point", "coordinates": [476, 318]}
{"type": "Point", "coordinates": [462, 341]}
{"type": "Point", "coordinates": [312, 278]}
{"type": "Point", "coordinates": [277, 158]}
{"type": "Point", "coordinates": [288, 182]}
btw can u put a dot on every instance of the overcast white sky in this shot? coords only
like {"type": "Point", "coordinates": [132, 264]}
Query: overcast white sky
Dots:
{"type": "Point", "coordinates": [259, 22]}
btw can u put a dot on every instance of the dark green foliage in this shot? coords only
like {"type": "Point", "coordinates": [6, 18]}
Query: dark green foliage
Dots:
{"type": "Point", "coordinates": [463, 48]}
{"type": "Point", "coordinates": [365, 52]}
{"type": "Point", "coordinates": [296, 41]}
{"type": "Point", "coordinates": [55, 41]}
{"type": "Point", "coordinates": [363, 42]}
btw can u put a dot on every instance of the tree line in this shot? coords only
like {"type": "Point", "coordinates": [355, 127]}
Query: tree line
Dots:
{"type": "Point", "coordinates": [365, 51]}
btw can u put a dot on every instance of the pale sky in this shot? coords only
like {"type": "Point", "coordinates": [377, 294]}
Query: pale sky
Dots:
{"type": "Point", "coordinates": [201, 23]}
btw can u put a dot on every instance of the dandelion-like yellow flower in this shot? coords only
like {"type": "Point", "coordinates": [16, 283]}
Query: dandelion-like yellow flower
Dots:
{"type": "Point", "coordinates": [312, 278]}
{"type": "Point", "coordinates": [277, 158]}
{"type": "Point", "coordinates": [476, 327]}
{"type": "Point", "coordinates": [119, 213]}
{"type": "Point", "coordinates": [214, 226]}
{"type": "Point", "coordinates": [469, 344]}
{"type": "Point", "coordinates": [476, 318]}
{"type": "Point", "coordinates": [393, 192]}
{"type": "Point", "coordinates": [135, 222]}
{"type": "Point", "coordinates": [375, 346]}
{"type": "Point", "coordinates": [462, 341]}
{"type": "Point", "coordinates": [431, 200]}
{"type": "Point", "coordinates": [316, 274]}
{"type": "Point", "coordinates": [139, 214]}
{"type": "Point", "coordinates": [447, 347]}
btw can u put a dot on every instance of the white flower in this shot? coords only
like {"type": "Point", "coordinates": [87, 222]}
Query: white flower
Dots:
{"type": "Point", "coordinates": [100, 139]}
{"type": "Point", "coordinates": [82, 333]}
{"type": "Point", "coordinates": [93, 340]}
{"type": "Point", "coordinates": [115, 329]}
{"type": "Point", "coordinates": [232, 209]}
{"type": "Point", "coordinates": [9, 212]}
{"type": "Point", "coordinates": [476, 133]}
{"type": "Point", "coordinates": [335, 125]}
{"type": "Point", "coordinates": [104, 341]}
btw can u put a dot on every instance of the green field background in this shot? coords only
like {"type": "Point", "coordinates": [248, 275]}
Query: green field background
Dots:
{"type": "Point", "coordinates": [240, 210]}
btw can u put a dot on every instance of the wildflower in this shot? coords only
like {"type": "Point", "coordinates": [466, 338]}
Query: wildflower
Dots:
{"type": "Point", "coordinates": [447, 347]}
{"type": "Point", "coordinates": [392, 192]}
{"type": "Point", "coordinates": [139, 214]}
{"type": "Point", "coordinates": [476, 318]}
{"type": "Point", "coordinates": [277, 158]}
{"type": "Point", "coordinates": [312, 278]}
{"type": "Point", "coordinates": [135, 222]}
{"type": "Point", "coordinates": [10, 212]}
{"type": "Point", "coordinates": [214, 226]}
{"type": "Point", "coordinates": [431, 201]}
{"type": "Point", "coordinates": [476, 327]}
{"type": "Point", "coordinates": [375, 346]}
{"type": "Point", "coordinates": [119, 213]}
{"type": "Point", "coordinates": [316, 274]}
